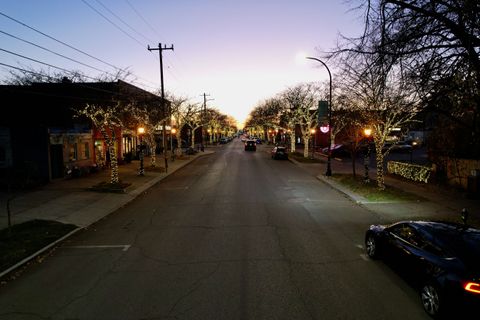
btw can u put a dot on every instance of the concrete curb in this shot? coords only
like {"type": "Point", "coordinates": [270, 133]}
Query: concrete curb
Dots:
{"type": "Point", "coordinates": [133, 195]}
{"type": "Point", "coordinates": [355, 197]}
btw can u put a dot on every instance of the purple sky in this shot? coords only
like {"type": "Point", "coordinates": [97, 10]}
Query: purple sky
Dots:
{"type": "Point", "coordinates": [239, 52]}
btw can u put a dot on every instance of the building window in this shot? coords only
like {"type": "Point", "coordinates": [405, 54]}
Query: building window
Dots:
{"type": "Point", "coordinates": [86, 151]}
{"type": "Point", "coordinates": [73, 152]}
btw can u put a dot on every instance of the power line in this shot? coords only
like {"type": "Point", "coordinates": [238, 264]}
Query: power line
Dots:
{"type": "Point", "coordinates": [70, 46]}
{"type": "Point", "coordinates": [53, 66]}
{"type": "Point", "coordinates": [59, 41]}
{"type": "Point", "coordinates": [56, 79]}
{"type": "Point", "coordinates": [51, 51]}
{"type": "Point", "coordinates": [158, 34]}
{"type": "Point", "coordinates": [113, 23]}
{"type": "Point", "coordinates": [44, 63]}
{"type": "Point", "coordinates": [65, 57]}
{"type": "Point", "coordinates": [119, 28]}
{"type": "Point", "coordinates": [123, 21]}
{"type": "Point", "coordinates": [143, 19]}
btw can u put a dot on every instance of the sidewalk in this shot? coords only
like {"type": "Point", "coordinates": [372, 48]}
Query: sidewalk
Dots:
{"type": "Point", "coordinates": [69, 201]}
{"type": "Point", "coordinates": [438, 203]}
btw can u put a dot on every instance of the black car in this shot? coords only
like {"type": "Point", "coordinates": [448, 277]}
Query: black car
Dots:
{"type": "Point", "coordinates": [441, 258]}
{"type": "Point", "coordinates": [337, 150]}
{"type": "Point", "coordinates": [279, 153]}
{"type": "Point", "coordinates": [250, 145]}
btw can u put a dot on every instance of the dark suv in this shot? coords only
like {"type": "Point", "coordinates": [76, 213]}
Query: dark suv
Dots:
{"type": "Point", "coordinates": [250, 145]}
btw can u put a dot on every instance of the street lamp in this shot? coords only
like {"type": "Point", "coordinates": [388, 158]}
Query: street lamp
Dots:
{"type": "Point", "coordinates": [312, 131]}
{"type": "Point", "coordinates": [329, 166]}
{"type": "Point", "coordinates": [367, 132]}
{"type": "Point", "coordinates": [172, 132]}
{"type": "Point", "coordinates": [141, 131]}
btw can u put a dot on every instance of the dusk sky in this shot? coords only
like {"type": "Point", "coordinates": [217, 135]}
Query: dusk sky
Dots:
{"type": "Point", "coordinates": [239, 52]}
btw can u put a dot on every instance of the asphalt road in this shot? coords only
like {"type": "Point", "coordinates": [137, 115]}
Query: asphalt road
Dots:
{"type": "Point", "coordinates": [234, 235]}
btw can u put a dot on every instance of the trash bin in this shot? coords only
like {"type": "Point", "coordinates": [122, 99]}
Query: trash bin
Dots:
{"type": "Point", "coordinates": [473, 184]}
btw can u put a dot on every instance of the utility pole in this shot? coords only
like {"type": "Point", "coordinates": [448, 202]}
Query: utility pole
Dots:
{"type": "Point", "coordinates": [164, 134]}
{"type": "Point", "coordinates": [205, 111]}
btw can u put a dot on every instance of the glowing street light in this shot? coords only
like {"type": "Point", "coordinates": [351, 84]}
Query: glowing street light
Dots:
{"type": "Point", "coordinates": [141, 131]}
{"type": "Point", "coordinates": [367, 132]}
{"type": "Point", "coordinates": [312, 132]}
{"type": "Point", "coordinates": [329, 156]}
{"type": "Point", "coordinates": [172, 133]}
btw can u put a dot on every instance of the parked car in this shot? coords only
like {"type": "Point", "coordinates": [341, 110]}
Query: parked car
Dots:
{"type": "Point", "coordinates": [337, 150]}
{"type": "Point", "coordinates": [400, 146]}
{"type": "Point", "coordinates": [441, 259]}
{"type": "Point", "coordinates": [250, 145]}
{"type": "Point", "coordinates": [223, 140]}
{"type": "Point", "coordinates": [279, 152]}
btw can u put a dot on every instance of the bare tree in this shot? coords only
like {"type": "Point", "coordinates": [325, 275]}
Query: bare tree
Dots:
{"type": "Point", "coordinates": [438, 44]}
{"type": "Point", "coordinates": [302, 100]}
{"type": "Point", "coordinates": [107, 119]}
{"type": "Point", "coordinates": [384, 99]}
{"type": "Point", "coordinates": [214, 120]}
{"type": "Point", "coordinates": [27, 76]}
{"type": "Point", "coordinates": [193, 118]}
{"type": "Point", "coordinates": [179, 110]}
{"type": "Point", "coordinates": [151, 119]}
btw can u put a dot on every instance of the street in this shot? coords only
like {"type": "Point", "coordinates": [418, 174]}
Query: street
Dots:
{"type": "Point", "coordinates": [233, 235]}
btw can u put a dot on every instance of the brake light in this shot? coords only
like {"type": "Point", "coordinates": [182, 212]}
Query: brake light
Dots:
{"type": "Point", "coordinates": [472, 287]}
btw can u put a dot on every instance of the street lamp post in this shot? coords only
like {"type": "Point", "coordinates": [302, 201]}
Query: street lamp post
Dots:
{"type": "Point", "coordinates": [172, 132]}
{"type": "Point", "coordinates": [366, 161]}
{"type": "Point", "coordinates": [312, 131]}
{"type": "Point", "coordinates": [141, 131]}
{"type": "Point", "coordinates": [328, 173]}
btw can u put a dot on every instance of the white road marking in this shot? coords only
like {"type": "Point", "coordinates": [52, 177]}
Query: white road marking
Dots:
{"type": "Point", "coordinates": [124, 247]}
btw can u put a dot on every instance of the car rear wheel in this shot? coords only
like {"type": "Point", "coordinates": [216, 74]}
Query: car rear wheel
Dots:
{"type": "Point", "coordinates": [431, 299]}
{"type": "Point", "coordinates": [371, 246]}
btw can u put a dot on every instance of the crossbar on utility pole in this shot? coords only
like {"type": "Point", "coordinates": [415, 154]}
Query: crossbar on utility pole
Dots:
{"type": "Point", "coordinates": [160, 50]}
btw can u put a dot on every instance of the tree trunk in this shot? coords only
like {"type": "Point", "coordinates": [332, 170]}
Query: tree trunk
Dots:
{"type": "Point", "coordinates": [292, 141]}
{"type": "Point", "coordinates": [193, 139]}
{"type": "Point", "coordinates": [379, 162]}
{"type": "Point", "coordinates": [306, 142]}
{"type": "Point", "coordinates": [114, 179]}
{"type": "Point", "coordinates": [153, 159]}
{"type": "Point", "coordinates": [110, 141]}
{"type": "Point", "coordinates": [179, 138]}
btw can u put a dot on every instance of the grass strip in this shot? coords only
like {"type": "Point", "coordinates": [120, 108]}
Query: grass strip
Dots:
{"type": "Point", "coordinates": [371, 192]}
{"type": "Point", "coordinates": [24, 239]}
